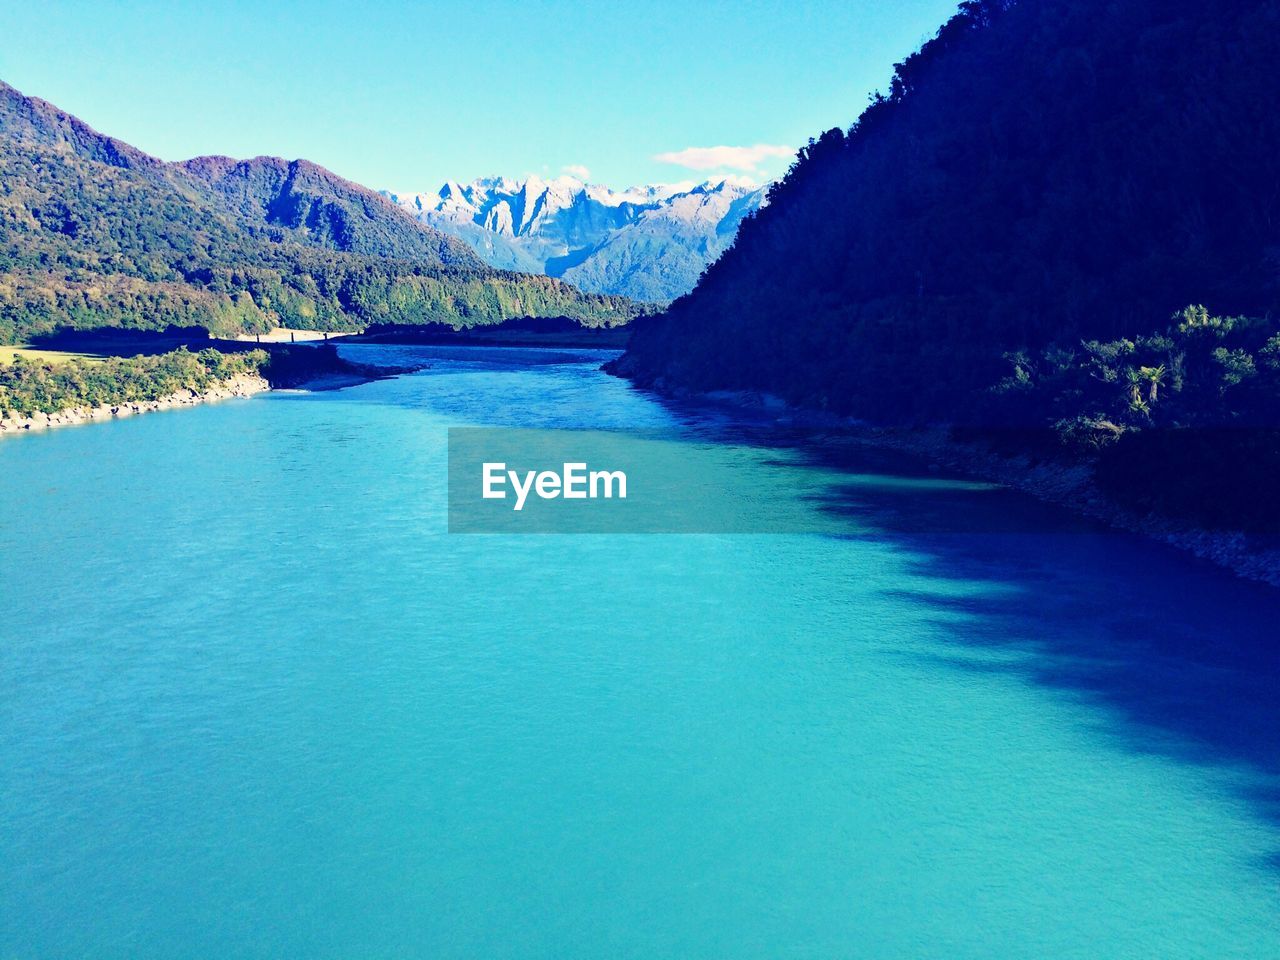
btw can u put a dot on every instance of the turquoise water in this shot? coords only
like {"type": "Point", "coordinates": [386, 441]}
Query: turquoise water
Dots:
{"type": "Point", "coordinates": [256, 702]}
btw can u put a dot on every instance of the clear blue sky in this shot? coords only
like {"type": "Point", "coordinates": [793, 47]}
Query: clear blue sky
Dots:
{"type": "Point", "coordinates": [406, 95]}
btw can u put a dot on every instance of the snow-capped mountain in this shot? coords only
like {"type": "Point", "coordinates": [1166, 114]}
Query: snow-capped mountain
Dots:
{"type": "Point", "coordinates": [649, 242]}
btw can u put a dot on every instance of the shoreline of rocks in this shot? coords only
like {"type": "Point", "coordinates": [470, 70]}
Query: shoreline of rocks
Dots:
{"type": "Point", "coordinates": [244, 386]}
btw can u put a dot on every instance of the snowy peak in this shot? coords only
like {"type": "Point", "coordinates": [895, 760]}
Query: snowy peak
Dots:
{"type": "Point", "coordinates": [650, 241]}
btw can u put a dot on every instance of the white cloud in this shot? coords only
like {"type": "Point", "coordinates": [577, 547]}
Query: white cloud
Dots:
{"type": "Point", "coordinates": [747, 159]}
{"type": "Point", "coordinates": [738, 180]}
{"type": "Point", "coordinates": [577, 170]}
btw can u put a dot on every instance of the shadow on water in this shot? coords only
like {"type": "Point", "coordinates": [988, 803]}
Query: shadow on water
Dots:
{"type": "Point", "coordinates": [1179, 658]}
{"type": "Point", "coordinates": [1175, 657]}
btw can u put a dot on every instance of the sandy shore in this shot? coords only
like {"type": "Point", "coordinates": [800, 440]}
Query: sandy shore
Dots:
{"type": "Point", "coordinates": [288, 335]}
{"type": "Point", "coordinates": [238, 387]}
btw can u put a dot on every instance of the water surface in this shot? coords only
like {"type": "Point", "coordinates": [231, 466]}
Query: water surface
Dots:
{"type": "Point", "coordinates": [256, 702]}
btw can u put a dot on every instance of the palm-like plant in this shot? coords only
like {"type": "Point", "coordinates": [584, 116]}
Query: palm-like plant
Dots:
{"type": "Point", "coordinates": [1154, 376]}
{"type": "Point", "coordinates": [1135, 379]}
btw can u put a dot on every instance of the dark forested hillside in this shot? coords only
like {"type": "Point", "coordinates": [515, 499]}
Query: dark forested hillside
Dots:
{"type": "Point", "coordinates": [96, 233]}
{"type": "Point", "coordinates": [1044, 171]}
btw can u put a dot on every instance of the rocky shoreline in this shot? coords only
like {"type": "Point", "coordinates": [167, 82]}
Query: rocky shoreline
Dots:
{"type": "Point", "coordinates": [1072, 485]}
{"type": "Point", "coordinates": [245, 386]}
{"type": "Point", "coordinates": [1066, 484]}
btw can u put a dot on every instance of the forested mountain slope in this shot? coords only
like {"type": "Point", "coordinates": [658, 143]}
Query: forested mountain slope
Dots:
{"type": "Point", "coordinates": [1042, 172]}
{"type": "Point", "coordinates": [96, 233]}
{"type": "Point", "coordinates": [324, 210]}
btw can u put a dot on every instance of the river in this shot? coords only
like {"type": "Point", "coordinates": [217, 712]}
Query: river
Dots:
{"type": "Point", "coordinates": [256, 701]}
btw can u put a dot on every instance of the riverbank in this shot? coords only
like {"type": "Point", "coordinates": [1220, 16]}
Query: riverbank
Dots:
{"type": "Point", "coordinates": [1070, 484]}
{"type": "Point", "coordinates": [243, 386]}
{"type": "Point", "coordinates": [50, 391]}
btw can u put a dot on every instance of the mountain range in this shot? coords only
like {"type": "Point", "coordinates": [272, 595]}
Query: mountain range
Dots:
{"type": "Point", "coordinates": [650, 243]}
{"type": "Point", "coordinates": [95, 232]}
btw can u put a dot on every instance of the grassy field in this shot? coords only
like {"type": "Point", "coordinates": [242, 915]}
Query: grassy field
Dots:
{"type": "Point", "coordinates": [7, 355]}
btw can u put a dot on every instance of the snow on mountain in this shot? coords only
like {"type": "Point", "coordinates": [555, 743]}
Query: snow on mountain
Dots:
{"type": "Point", "coordinates": [648, 242]}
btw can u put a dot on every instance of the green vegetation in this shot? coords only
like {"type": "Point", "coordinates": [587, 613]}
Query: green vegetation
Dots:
{"type": "Point", "coordinates": [308, 204]}
{"type": "Point", "coordinates": [30, 386]}
{"type": "Point", "coordinates": [1181, 423]}
{"type": "Point", "coordinates": [94, 233]}
{"type": "Point", "coordinates": [1038, 173]}
{"type": "Point", "coordinates": [1041, 185]}
{"type": "Point", "coordinates": [1203, 371]}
